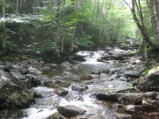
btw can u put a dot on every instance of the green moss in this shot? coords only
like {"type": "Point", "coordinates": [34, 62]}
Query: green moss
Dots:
{"type": "Point", "coordinates": [154, 69]}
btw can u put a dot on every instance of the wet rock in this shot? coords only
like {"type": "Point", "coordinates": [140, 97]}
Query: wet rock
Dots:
{"type": "Point", "coordinates": [132, 74]}
{"type": "Point", "coordinates": [134, 108]}
{"type": "Point", "coordinates": [107, 97]}
{"type": "Point", "coordinates": [114, 70]}
{"type": "Point", "coordinates": [17, 75]}
{"type": "Point", "coordinates": [15, 68]}
{"type": "Point", "coordinates": [2, 67]}
{"type": "Point", "coordinates": [120, 108]}
{"type": "Point", "coordinates": [123, 116]}
{"type": "Point", "coordinates": [135, 60]}
{"type": "Point", "coordinates": [61, 92]}
{"type": "Point", "coordinates": [34, 71]}
{"type": "Point", "coordinates": [33, 79]}
{"type": "Point", "coordinates": [106, 71]}
{"type": "Point", "coordinates": [86, 77]}
{"type": "Point", "coordinates": [149, 82]}
{"type": "Point", "coordinates": [56, 115]}
{"type": "Point", "coordinates": [70, 110]}
{"type": "Point", "coordinates": [96, 72]}
{"type": "Point", "coordinates": [66, 65]}
{"type": "Point", "coordinates": [97, 116]}
{"type": "Point", "coordinates": [10, 114]}
{"type": "Point", "coordinates": [150, 104]}
{"type": "Point", "coordinates": [135, 98]}
{"type": "Point", "coordinates": [153, 115]}
{"type": "Point", "coordinates": [13, 95]}
{"type": "Point", "coordinates": [79, 87]}
{"type": "Point", "coordinates": [51, 84]}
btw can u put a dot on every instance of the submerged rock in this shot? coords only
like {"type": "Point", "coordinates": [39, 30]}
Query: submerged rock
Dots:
{"type": "Point", "coordinates": [70, 110]}
{"type": "Point", "coordinates": [79, 87]}
{"type": "Point", "coordinates": [61, 91]}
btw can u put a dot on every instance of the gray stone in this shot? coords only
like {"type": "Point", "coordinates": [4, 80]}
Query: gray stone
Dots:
{"type": "Point", "coordinates": [13, 95]}
{"type": "Point", "coordinates": [79, 87]}
{"type": "Point", "coordinates": [97, 116]}
{"type": "Point", "coordinates": [123, 116]}
{"type": "Point", "coordinates": [35, 71]}
{"type": "Point", "coordinates": [132, 74]}
{"type": "Point", "coordinates": [70, 110]}
{"type": "Point", "coordinates": [149, 82]}
{"type": "Point", "coordinates": [17, 75]}
{"type": "Point", "coordinates": [61, 92]}
{"type": "Point", "coordinates": [107, 96]}
{"type": "Point", "coordinates": [135, 98]}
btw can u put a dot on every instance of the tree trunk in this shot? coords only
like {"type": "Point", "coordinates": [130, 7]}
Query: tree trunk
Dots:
{"type": "Point", "coordinates": [4, 44]}
{"type": "Point", "coordinates": [157, 16]}
{"type": "Point", "coordinates": [17, 6]}
{"type": "Point", "coordinates": [139, 22]}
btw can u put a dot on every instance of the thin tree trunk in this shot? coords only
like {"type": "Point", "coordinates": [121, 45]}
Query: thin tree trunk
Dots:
{"type": "Point", "coordinates": [17, 6]}
{"type": "Point", "coordinates": [140, 24]}
{"type": "Point", "coordinates": [73, 36]}
{"type": "Point", "coordinates": [4, 44]}
{"type": "Point", "coordinates": [157, 15]}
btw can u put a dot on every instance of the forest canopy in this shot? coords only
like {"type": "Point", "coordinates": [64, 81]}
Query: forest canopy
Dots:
{"type": "Point", "coordinates": [55, 26]}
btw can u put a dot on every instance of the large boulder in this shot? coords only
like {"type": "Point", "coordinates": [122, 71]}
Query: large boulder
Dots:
{"type": "Point", "coordinates": [149, 82]}
{"type": "Point", "coordinates": [135, 98]}
{"type": "Point", "coordinates": [12, 95]}
{"type": "Point", "coordinates": [70, 110]}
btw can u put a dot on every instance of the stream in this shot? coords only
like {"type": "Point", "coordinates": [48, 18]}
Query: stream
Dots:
{"type": "Point", "coordinates": [104, 76]}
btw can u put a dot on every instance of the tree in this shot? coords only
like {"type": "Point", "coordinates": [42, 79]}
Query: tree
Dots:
{"type": "Point", "coordinates": [137, 13]}
{"type": "Point", "coordinates": [4, 28]}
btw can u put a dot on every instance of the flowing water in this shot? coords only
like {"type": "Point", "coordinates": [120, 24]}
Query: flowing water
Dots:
{"type": "Point", "coordinates": [46, 105]}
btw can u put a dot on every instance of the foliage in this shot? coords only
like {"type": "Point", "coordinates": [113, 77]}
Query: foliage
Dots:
{"type": "Point", "coordinates": [64, 26]}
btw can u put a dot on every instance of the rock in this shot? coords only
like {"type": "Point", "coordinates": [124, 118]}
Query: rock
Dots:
{"type": "Point", "coordinates": [15, 68]}
{"type": "Point", "coordinates": [79, 87]}
{"type": "Point", "coordinates": [61, 92]}
{"type": "Point", "coordinates": [107, 97]}
{"type": "Point", "coordinates": [97, 116]}
{"type": "Point", "coordinates": [10, 114]}
{"type": "Point", "coordinates": [123, 116]}
{"type": "Point", "coordinates": [66, 65]}
{"type": "Point", "coordinates": [135, 60]}
{"type": "Point", "coordinates": [56, 115]}
{"type": "Point", "coordinates": [51, 84]}
{"type": "Point", "coordinates": [149, 82]}
{"type": "Point", "coordinates": [17, 75]}
{"type": "Point", "coordinates": [150, 104]}
{"type": "Point", "coordinates": [134, 108]}
{"type": "Point", "coordinates": [114, 70]}
{"type": "Point", "coordinates": [2, 67]}
{"type": "Point", "coordinates": [120, 108]}
{"type": "Point", "coordinates": [13, 95]}
{"type": "Point", "coordinates": [153, 115]}
{"type": "Point", "coordinates": [70, 110]}
{"type": "Point", "coordinates": [33, 79]}
{"type": "Point", "coordinates": [132, 74]}
{"type": "Point", "coordinates": [34, 71]}
{"type": "Point", "coordinates": [86, 77]}
{"type": "Point", "coordinates": [52, 65]}
{"type": "Point", "coordinates": [135, 98]}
